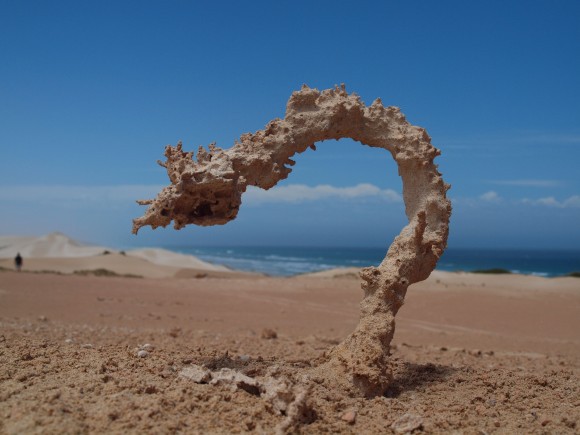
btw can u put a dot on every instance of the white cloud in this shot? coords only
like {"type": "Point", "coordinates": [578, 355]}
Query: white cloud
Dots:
{"type": "Point", "coordinates": [129, 193]}
{"type": "Point", "coordinates": [295, 193]}
{"type": "Point", "coordinates": [82, 194]}
{"type": "Point", "coordinates": [527, 183]}
{"type": "Point", "coordinates": [490, 196]}
{"type": "Point", "coordinates": [550, 201]}
{"type": "Point", "coordinates": [572, 202]}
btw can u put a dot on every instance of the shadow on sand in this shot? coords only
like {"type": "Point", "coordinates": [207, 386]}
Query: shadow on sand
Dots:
{"type": "Point", "coordinates": [413, 377]}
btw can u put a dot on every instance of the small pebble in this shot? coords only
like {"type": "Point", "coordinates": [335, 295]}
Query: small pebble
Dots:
{"type": "Point", "coordinates": [349, 417]}
{"type": "Point", "coordinates": [87, 346]}
{"type": "Point", "coordinates": [148, 347]}
{"type": "Point", "coordinates": [142, 353]}
{"type": "Point", "coordinates": [69, 340]}
{"type": "Point", "coordinates": [197, 374]}
{"type": "Point", "coordinates": [407, 423]}
{"type": "Point", "coordinates": [269, 334]}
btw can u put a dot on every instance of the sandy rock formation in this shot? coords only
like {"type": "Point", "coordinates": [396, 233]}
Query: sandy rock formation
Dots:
{"type": "Point", "coordinates": [208, 192]}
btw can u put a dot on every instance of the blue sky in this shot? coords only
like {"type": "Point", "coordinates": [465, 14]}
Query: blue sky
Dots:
{"type": "Point", "coordinates": [91, 92]}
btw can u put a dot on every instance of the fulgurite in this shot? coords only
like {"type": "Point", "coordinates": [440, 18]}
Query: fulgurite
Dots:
{"type": "Point", "coordinates": [209, 191]}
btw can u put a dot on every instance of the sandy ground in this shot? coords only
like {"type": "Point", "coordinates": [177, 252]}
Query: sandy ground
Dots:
{"type": "Point", "coordinates": [473, 353]}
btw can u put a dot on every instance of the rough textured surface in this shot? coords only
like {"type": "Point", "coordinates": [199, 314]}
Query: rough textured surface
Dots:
{"type": "Point", "coordinates": [281, 395]}
{"type": "Point", "coordinates": [470, 355]}
{"type": "Point", "coordinates": [49, 385]}
{"type": "Point", "coordinates": [208, 192]}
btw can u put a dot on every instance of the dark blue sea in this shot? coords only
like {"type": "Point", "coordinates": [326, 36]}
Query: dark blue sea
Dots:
{"type": "Point", "coordinates": [287, 261]}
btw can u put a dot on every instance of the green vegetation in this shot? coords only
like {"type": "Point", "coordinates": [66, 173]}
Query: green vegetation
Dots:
{"type": "Point", "coordinates": [94, 272]}
{"type": "Point", "coordinates": [496, 271]}
{"type": "Point", "coordinates": [105, 272]}
{"type": "Point", "coordinates": [10, 269]}
{"type": "Point", "coordinates": [573, 274]}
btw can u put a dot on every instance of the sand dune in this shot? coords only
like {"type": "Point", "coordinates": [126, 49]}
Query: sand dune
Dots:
{"type": "Point", "coordinates": [174, 259]}
{"type": "Point", "coordinates": [113, 262]}
{"type": "Point", "coordinates": [58, 253]}
{"type": "Point", "coordinates": [50, 245]}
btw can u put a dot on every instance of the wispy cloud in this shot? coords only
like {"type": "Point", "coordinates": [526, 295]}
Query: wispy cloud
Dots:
{"type": "Point", "coordinates": [490, 196]}
{"type": "Point", "coordinates": [83, 195]}
{"type": "Point", "coordinates": [526, 138]}
{"type": "Point", "coordinates": [80, 194]}
{"type": "Point", "coordinates": [527, 183]}
{"type": "Point", "coordinates": [552, 138]}
{"type": "Point", "coordinates": [550, 201]}
{"type": "Point", "coordinates": [487, 198]}
{"type": "Point", "coordinates": [295, 193]}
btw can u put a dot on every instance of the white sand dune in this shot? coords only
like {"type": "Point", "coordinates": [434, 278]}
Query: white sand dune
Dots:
{"type": "Point", "coordinates": [6, 241]}
{"type": "Point", "coordinates": [59, 253]}
{"type": "Point", "coordinates": [50, 245]}
{"type": "Point", "coordinates": [117, 263]}
{"type": "Point", "coordinates": [168, 258]}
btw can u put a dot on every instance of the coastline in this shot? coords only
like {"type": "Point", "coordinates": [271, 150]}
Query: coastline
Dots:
{"type": "Point", "coordinates": [42, 253]}
{"type": "Point", "coordinates": [290, 261]}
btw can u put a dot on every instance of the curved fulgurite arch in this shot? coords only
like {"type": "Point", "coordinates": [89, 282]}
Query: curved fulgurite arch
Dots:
{"type": "Point", "coordinates": [208, 192]}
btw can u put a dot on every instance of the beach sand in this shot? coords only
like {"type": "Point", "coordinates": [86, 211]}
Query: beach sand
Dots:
{"type": "Point", "coordinates": [473, 353]}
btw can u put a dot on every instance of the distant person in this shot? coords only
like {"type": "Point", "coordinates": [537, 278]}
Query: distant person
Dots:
{"type": "Point", "coordinates": [18, 262]}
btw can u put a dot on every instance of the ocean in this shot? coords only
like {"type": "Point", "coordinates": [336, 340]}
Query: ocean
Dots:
{"type": "Point", "coordinates": [288, 261]}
